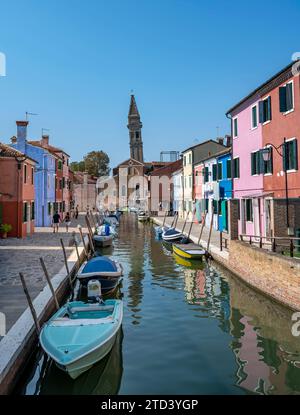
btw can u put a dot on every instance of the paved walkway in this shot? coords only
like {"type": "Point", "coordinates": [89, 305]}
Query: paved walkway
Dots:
{"type": "Point", "coordinates": [22, 255]}
{"type": "Point", "coordinates": [214, 246]}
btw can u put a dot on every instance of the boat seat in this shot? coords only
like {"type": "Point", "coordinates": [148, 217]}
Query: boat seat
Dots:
{"type": "Point", "coordinates": [93, 307]}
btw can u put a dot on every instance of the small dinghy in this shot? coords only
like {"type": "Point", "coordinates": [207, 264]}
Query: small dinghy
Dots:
{"type": "Point", "coordinates": [103, 236]}
{"type": "Point", "coordinates": [111, 220]}
{"type": "Point", "coordinates": [171, 235]}
{"type": "Point", "coordinates": [103, 269]}
{"type": "Point", "coordinates": [80, 334]}
{"type": "Point", "coordinates": [189, 251]}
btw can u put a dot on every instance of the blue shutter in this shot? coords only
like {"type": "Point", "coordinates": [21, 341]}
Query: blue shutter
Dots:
{"type": "Point", "coordinates": [282, 99]}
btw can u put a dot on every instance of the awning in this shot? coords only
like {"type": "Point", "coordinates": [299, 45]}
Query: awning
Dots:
{"type": "Point", "coordinates": [259, 194]}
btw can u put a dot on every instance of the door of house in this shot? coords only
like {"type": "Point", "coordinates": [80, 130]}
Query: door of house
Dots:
{"type": "Point", "coordinates": [28, 224]}
{"type": "Point", "coordinates": [224, 211]}
{"type": "Point", "coordinates": [243, 217]}
{"type": "Point", "coordinates": [256, 216]}
{"type": "Point", "coordinates": [269, 231]}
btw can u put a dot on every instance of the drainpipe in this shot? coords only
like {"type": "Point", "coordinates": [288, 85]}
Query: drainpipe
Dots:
{"type": "Point", "coordinates": [232, 164]}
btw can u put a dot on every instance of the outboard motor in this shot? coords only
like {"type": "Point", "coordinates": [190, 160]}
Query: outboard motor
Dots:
{"type": "Point", "coordinates": [94, 293]}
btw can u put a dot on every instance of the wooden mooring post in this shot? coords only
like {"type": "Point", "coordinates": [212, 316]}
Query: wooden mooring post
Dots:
{"type": "Point", "coordinates": [210, 229]}
{"type": "Point", "coordinates": [33, 312]}
{"type": "Point", "coordinates": [66, 262]}
{"type": "Point", "coordinates": [83, 241]}
{"type": "Point", "coordinates": [90, 234]}
{"type": "Point", "coordinates": [185, 221]}
{"type": "Point", "coordinates": [49, 282]}
{"type": "Point", "coordinates": [202, 227]}
{"type": "Point", "coordinates": [190, 230]}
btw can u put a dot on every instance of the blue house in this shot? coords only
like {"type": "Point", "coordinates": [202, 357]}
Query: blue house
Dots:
{"type": "Point", "coordinates": [44, 176]}
{"type": "Point", "coordinates": [225, 187]}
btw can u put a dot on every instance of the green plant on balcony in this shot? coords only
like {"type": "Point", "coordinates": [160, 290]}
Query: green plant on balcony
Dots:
{"type": "Point", "coordinates": [5, 228]}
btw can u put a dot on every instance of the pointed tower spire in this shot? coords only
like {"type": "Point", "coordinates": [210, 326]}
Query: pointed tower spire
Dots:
{"type": "Point", "coordinates": [135, 131]}
{"type": "Point", "coordinates": [133, 111]}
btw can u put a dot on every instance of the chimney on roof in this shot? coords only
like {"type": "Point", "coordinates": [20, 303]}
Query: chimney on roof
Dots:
{"type": "Point", "coordinates": [21, 135]}
{"type": "Point", "coordinates": [220, 140]}
{"type": "Point", "coordinates": [228, 140]}
{"type": "Point", "coordinates": [13, 139]}
{"type": "Point", "coordinates": [45, 140]}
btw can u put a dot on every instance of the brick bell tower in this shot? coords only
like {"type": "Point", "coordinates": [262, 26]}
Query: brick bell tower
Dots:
{"type": "Point", "coordinates": [135, 132]}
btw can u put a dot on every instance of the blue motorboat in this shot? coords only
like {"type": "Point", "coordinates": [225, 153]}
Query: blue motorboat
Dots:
{"type": "Point", "coordinates": [172, 235]}
{"type": "Point", "coordinates": [80, 334]}
{"type": "Point", "coordinates": [104, 269]}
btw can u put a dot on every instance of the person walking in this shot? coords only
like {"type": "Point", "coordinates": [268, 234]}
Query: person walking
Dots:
{"type": "Point", "coordinates": [55, 221]}
{"type": "Point", "coordinates": [76, 212]}
{"type": "Point", "coordinates": [67, 221]}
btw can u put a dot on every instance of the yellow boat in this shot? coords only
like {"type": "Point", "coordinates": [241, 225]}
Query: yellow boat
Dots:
{"type": "Point", "coordinates": [188, 263]}
{"type": "Point", "coordinates": [189, 251]}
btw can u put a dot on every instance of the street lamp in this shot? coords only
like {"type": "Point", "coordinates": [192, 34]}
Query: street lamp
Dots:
{"type": "Point", "coordinates": [20, 158]}
{"type": "Point", "coordinates": [266, 154]}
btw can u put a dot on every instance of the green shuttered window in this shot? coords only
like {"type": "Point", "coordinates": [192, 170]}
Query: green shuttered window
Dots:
{"type": "Point", "coordinates": [24, 212]}
{"type": "Point", "coordinates": [249, 210]}
{"type": "Point", "coordinates": [290, 155]}
{"type": "Point", "coordinates": [228, 168]}
{"type": "Point", "coordinates": [265, 110]}
{"type": "Point", "coordinates": [214, 172]}
{"type": "Point", "coordinates": [236, 167]}
{"type": "Point", "coordinates": [286, 99]}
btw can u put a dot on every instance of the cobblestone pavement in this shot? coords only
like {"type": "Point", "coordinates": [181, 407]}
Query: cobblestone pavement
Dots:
{"type": "Point", "coordinates": [22, 255]}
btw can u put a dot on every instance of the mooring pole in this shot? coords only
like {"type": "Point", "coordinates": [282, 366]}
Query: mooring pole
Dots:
{"type": "Point", "coordinates": [164, 218]}
{"type": "Point", "coordinates": [66, 261]}
{"type": "Point", "coordinates": [33, 313]}
{"type": "Point", "coordinates": [210, 229]}
{"type": "Point", "coordinates": [186, 218]}
{"type": "Point", "coordinates": [202, 227]}
{"type": "Point", "coordinates": [83, 241]}
{"type": "Point", "coordinates": [190, 230]}
{"type": "Point", "coordinates": [49, 282]}
{"type": "Point", "coordinates": [90, 233]}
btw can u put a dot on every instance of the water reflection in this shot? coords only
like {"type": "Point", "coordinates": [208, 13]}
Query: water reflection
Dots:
{"type": "Point", "coordinates": [189, 328]}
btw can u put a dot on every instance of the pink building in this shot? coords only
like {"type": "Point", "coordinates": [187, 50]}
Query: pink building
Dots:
{"type": "Point", "coordinates": [198, 190]}
{"type": "Point", "coordinates": [247, 187]}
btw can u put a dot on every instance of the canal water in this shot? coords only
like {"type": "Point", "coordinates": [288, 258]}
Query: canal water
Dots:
{"type": "Point", "coordinates": [187, 329]}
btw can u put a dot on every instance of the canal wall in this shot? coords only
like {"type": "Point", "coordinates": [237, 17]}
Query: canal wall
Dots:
{"type": "Point", "coordinates": [19, 343]}
{"type": "Point", "coordinates": [270, 273]}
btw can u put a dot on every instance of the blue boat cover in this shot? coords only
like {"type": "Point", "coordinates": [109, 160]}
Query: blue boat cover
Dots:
{"type": "Point", "coordinates": [171, 232]}
{"type": "Point", "coordinates": [100, 264]}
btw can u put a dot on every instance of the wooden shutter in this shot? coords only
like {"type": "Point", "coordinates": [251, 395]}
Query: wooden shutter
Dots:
{"type": "Point", "coordinates": [289, 96]}
{"type": "Point", "coordinates": [261, 111]}
{"type": "Point", "coordinates": [282, 99]}
{"type": "Point", "coordinates": [228, 167]}
{"type": "Point", "coordinates": [214, 170]}
{"type": "Point", "coordinates": [284, 156]}
{"type": "Point", "coordinates": [294, 148]}
{"type": "Point", "coordinates": [269, 107]}
{"type": "Point", "coordinates": [252, 164]}
{"type": "Point", "coordinates": [220, 171]}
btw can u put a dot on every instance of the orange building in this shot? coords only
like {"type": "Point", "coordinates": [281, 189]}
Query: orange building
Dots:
{"type": "Point", "coordinates": [16, 191]}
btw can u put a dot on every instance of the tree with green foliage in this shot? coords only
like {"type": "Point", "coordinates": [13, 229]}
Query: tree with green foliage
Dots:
{"type": "Point", "coordinates": [96, 163]}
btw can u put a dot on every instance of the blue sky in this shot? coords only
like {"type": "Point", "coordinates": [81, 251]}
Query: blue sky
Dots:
{"type": "Point", "coordinates": [75, 62]}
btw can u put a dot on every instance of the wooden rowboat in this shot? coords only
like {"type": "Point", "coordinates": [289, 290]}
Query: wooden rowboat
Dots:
{"type": "Point", "coordinates": [189, 251]}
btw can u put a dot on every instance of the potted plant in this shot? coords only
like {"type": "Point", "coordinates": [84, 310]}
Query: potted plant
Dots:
{"type": "Point", "coordinates": [5, 228]}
